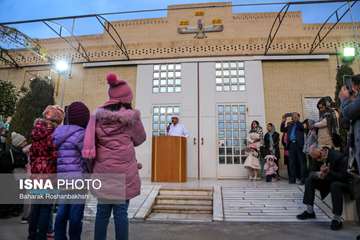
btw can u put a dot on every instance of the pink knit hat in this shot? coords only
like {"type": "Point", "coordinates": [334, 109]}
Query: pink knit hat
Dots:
{"type": "Point", "coordinates": [119, 90]}
{"type": "Point", "coordinates": [54, 113]}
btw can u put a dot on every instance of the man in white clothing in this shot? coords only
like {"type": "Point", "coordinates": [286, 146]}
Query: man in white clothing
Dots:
{"type": "Point", "coordinates": [176, 128]}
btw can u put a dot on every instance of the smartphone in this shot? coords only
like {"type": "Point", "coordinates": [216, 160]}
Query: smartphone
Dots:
{"type": "Point", "coordinates": [287, 115]}
{"type": "Point", "coordinates": [347, 82]}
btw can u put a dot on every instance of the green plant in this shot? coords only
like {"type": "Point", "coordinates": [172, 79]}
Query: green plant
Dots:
{"type": "Point", "coordinates": [31, 105]}
{"type": "Point", "coordinates": [8, 98]}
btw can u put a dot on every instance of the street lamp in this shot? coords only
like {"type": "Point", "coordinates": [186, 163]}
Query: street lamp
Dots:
{"type": "Point", "coordinates": [349, 54]}
{"type": "Point", "coordinates": [63, 67]}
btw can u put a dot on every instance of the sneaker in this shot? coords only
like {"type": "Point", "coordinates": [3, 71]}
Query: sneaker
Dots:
{"type": "Point", "coordinates": [305, 215]}
{"type": "Point", "coordinates": [24, 220]}
{"type": "Point", "coordinates": [50, 235]}
{"type": "Point", "coordinates": [336, 225]}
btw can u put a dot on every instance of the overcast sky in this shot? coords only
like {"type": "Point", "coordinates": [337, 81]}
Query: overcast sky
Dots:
{"type": "Point", "coordinates": [12, 10]}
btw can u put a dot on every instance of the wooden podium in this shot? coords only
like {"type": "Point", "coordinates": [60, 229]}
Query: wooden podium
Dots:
{"type": "Point", "coordinates": [168, 159]}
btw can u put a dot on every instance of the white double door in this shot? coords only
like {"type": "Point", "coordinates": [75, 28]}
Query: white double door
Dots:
{"type": "Point", "coordinates": [215, 104]}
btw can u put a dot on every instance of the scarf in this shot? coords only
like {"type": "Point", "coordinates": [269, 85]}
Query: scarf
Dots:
{"type": "Point", "coordinates": [271, 140]}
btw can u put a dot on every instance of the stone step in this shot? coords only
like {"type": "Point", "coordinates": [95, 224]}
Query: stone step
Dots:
{"type": "Point", "coordinates": [183, 202]}
{"type": "Point", "coordinates": [182, 208]}
{"type": "Point", "coordinates": [176, 211]}
{"type": "Point", "coordinates": [185, 192]}
{"type": "Point", "coordinates": [185, 197]}
{"type": "Point", "coordinates": [180, 217]}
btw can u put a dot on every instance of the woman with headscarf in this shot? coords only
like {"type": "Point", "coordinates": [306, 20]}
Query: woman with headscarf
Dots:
{"type": "Point", "coordinates": [254, 143]}
{"type": "Point", "coordinates": [327, 126]}
{"type": "Point", "coordinates": [310, 141]}
{"type": "Point", "coordinates": [271, 142]}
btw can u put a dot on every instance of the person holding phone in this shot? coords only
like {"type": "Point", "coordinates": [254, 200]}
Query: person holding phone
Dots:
{"type": "Point", "coordinates": [295, 135]}
{"type": "Point", "coordinates": [350, 109]}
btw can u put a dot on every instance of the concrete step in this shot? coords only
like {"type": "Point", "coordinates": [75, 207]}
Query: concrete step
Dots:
{"type": "Point", "coordinates": [183, 202]}
{"type": "Point", "coordinates": [185, 197]}
{"type": "Point", "coordinates": [185, 192]}
{"type": "Point", "coordinates": [182, 208]}
{"type": "Point", "coordinates": [180, 217]}
{"type": "Point", "coordinates": [176, 211]}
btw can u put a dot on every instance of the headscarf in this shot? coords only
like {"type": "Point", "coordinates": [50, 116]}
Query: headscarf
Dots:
{"type": "Point", "coordinates": [271, 140]}
{"type": "Point", "coordinates": [329, 115]}
{"type": "Point", "coordinates": [257, 130]}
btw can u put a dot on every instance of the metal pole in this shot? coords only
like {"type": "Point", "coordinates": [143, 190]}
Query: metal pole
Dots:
{"type": "Point", "coordinates": [65, 78]}
{"type": "Point", "coordinates": [356, 36]}
{"type": "Point", "coordinates": [337, 58]}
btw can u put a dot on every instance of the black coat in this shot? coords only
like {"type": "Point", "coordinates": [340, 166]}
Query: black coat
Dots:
{"type": "Point", "coordinates": [276, 141]}
{"type": "Point", "coordinates": [338, 164]}
{"type": "Point", "coordinates": [6, 165]}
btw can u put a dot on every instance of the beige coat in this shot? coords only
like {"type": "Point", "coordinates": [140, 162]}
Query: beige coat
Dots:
{"type": "Point", "coordinates": [324, 137]}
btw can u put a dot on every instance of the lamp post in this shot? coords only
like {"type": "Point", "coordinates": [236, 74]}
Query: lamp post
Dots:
{"type": "Point", "coordinates": [349, 52]}
{"type": "Point", "coordinates": [62, 67]}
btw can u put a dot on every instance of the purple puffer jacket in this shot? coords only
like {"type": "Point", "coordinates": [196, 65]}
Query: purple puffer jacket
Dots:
{"type": "Point", "coordinates": [117, 133]}
{"type": "Point", "coordinates": [69, 142]}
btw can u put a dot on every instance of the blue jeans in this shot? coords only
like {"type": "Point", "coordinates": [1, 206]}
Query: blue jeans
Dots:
{"type": "Point", "coordinates": [39, 221]}
{"type": "Point", "coordinates": [73, 213]}
{"type": "Point", "coordinates": [121, 221]}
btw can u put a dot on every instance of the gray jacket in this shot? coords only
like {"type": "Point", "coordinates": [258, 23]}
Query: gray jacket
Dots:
{"type": "Point", "coordinates": [351, 111]}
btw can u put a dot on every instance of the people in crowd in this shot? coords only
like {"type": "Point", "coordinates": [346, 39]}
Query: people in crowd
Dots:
{"type": "Point", "coordinates": [13, 160]}
{"type": "Point", "coordinates": [284, 143]}
{"type": "Point", "coordinates": [115, 124]}
{"type": "Point", "coordinates": [272, 142]}
{"type": "Point", "coordinates": [310, 140]}
{"type": "Point", "coordinates": [6, 167]}
{"type": "Point", "coordinates": [68, 139]}
{"type": "Point", "coordinates": [350, 109]}
{"type": "Point", "coordinates": [295, 135]}
{"type": "Point", "coordinates": [176, 128]}
{"type": "Point", "coordinates": [43, 158]}
{"type": "Point", "coordinates": [19, 162]}
{"type": "Point", "coordinates": [327, 124]}
{"type": "Point", "coordinates": [271, 168]}
{"type": "Point", "coordinates": [252, 162]}
{"type": "Point", "coordinates": [332, 178]}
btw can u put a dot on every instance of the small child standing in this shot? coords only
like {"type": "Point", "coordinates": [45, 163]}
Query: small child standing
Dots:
{"type": "Point", "coordinates": [252, 162]}
{"type": "Point", "coordinates": [270, 167]}
{"type": "Point", "coordinates": [69, 139]}
{"type": "Point", "coordinates": [43, 158]}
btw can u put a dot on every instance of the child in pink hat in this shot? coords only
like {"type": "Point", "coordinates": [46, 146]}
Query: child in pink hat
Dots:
{"type": "Point", "coordinates": [111, 135]}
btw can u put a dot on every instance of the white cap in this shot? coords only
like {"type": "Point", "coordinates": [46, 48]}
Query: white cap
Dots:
{"type": "Point", "coordinates": [17, 139]}
{"type": "Point", "coordinates": [270, 157]}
